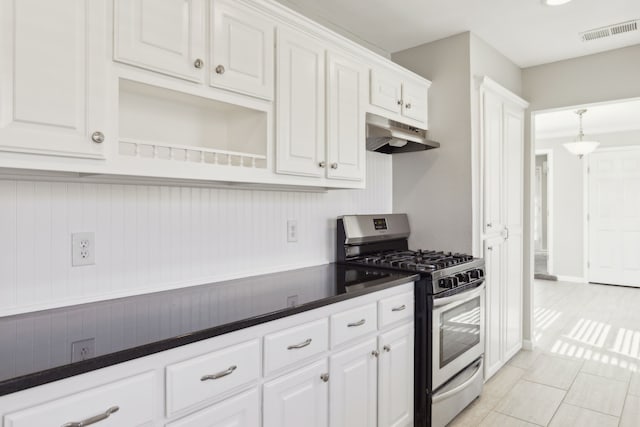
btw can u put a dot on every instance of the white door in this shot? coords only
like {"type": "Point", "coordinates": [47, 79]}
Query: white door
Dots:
{"type": "Point", "coordinates": [614, 217]}
{"type": "Point", "coordinates": [346, 95]}
{"type": "Point", "coordinates": [414, 100]}
{"type": "Point", "coordinates": [493, 258]}
{"type": "Point", "coordinates": [386, 90]}
{"type": "Point", "coordinates": [300, 108]}
{"type": "Point", "coordinates": [298, 399]}
{"type": "Point", "coordinates": [395, 378]}
{"type": "Point", "coordinates": [513, 232]}
{"type": "Point", "coordinates": [352, 386]}
{"type": "Point", "coordinates": [492, 162]}
{"type": "Point", "coordinates": [241, 49]}
{"type": "Point", "coordinates": [53, 77]}
{"type": "Point", "coordinates": [166, 36]}
{"type": "Point", "coordinates": [242, 410]}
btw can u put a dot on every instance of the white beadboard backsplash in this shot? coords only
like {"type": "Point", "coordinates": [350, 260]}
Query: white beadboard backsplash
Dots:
{"type": "Point", "coordinates": [151, 238]}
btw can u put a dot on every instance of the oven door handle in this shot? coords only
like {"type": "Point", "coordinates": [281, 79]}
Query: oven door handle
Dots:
{"type": "Point", "coordinates": [439, 302]}
{"type": "Point", "coordinates": [439, 397]}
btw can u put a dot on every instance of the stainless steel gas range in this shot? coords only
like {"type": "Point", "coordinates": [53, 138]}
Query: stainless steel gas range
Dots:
{"type": "Point", "coordinates": [449, 311]}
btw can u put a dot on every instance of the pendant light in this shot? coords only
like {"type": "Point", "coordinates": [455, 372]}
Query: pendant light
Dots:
{"type": "Point", "coordinates": [581, 147]}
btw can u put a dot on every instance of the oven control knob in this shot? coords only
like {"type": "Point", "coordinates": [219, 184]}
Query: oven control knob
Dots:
{"type": "Point", "coordinates": [450, 282]}
{"type": "Point", "coordinates": [476, 274]}
{"type": "Point", "coordinates": [462, 278]}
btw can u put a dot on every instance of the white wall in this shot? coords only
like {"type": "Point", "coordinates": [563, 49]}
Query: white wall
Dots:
{"type": "Point", "coordinates": [568, 189]}
{"type": "Point", "coordinates": [150, 238]}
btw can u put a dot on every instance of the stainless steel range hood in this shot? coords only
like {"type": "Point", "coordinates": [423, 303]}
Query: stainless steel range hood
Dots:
{"type": "Point", "coordinates": [388, 136]}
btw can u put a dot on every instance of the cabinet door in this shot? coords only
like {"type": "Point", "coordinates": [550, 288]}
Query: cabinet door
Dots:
{"type": "Point", "coordinates": [494, 359]}
{"type": "Point", "coordinates": [513, 246]}
{"type": "Point", "coordinates": [386, 90]}
{"type": "Point", "coordinates": [298, 399]}
{"type": "Point", "coordinates": [166, 36]}
{"type": "Point", "coordinates": [395, 378]}
{"type": "Point", "coordinates": [53, 76]}
{"type": "Point", "coordinates": [300, 108]}
{"type": "Point", "coordinates": [345, 118]}
{"type": "Point", "coordinates": [242, 410]}
{"type": "Point", "coordinates": [352, 386]}
{"type": "Point", "coordinates": [492, 162]}
{"type": "Point", "coordinates": [414, 100]}
{"type": "Point", "coordinates": [241, 49]}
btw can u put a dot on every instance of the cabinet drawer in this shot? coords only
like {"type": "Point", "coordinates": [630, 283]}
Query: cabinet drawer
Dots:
{"type": "Point", "coordinates": [395, 308]}
{"type": "Point", "coordinates": [129, 402]}
{"type": "Point", "coordinates": [241, 411]}
{"type": "Point", "coordinates": [353, 323]}
{"type": "Point", "coordinates": [204, 377]}
{"type": "Point", "coordinates": [292, 345]}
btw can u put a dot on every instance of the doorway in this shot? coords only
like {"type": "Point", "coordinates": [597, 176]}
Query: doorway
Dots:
{"type": "Point", "coordinates": [543, 218]}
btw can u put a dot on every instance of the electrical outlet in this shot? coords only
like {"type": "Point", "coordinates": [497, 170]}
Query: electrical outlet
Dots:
{"type": "Point", "coordinates": [292, 230]}
{"type": "Point", "coordinates": [83, 248]}
{"type": "Point", "coordinates": [83, 349]}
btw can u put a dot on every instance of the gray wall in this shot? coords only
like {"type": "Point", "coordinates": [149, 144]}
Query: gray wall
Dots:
{"type": "Point", "coordinates": [434, 187]}
{"type": "Point", "coordinates": [568, 190]}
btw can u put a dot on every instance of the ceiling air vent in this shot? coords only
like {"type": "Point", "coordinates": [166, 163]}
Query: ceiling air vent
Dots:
{"type": "Point", "coordinates": [608, 31]}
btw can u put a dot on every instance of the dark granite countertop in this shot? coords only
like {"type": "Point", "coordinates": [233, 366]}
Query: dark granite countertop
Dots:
{"type": "Point", "coordinates": [36, 348]}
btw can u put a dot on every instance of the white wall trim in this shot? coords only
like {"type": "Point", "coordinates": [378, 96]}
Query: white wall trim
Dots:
{"type": "Point", "coordinates": [573, 279]}
{"type": "Point", "coordinates": [527, 345]}
{"type": "Point", "coordinates": [490, 84]}
{"type": "Point", "coordinates": [550, 212]}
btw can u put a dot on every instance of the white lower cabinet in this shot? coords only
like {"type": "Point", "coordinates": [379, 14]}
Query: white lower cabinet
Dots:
{"type": "Point", "coordinates": [298, 399]}
{"type": "Point", "coordinates": [128, 402]}
{"type": "Point", "coordinates": [395, 378]}
{"type": "Point", "coordinates": [242, 410]}
{"type": "Point", "coordinates": [353, 386]}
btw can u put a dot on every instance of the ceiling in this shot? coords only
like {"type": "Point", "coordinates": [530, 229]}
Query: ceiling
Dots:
{"type": "Point", "coordinates": [526, 31]}
{"type": "Point", "coordinates": [606, 118]}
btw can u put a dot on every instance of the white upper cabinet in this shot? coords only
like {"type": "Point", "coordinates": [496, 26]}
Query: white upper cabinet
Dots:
{"type": "Point", "coordinates": [386, 90]}
{"type": "Point", "coordinates": [52, 77]}
{"type": "Point", "coordinates": [346, 95]}
{"type": "Point", "coordinates": [241, 49]}
{"type": "Point", "coordinates": [166, 36]}
{"type": "Point", "coordinates": [492, 163]}
{"type": "Point", "coordinates": [300, 117]}
{"type": "Point", "coordinates": [399, 93]}
{"type": "Point", "coordinates": [414, 100]}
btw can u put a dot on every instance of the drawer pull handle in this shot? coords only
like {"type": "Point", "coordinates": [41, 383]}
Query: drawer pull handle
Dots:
{"type": "Point", "coordinates": [219, 374]}
{"type": "Point", "coordinates": [402, 307]}
{"type": "Point", "coordinates": [358, 323]}
{"type": "Point", "coordinates": [92, 420]}
{"type": "Point", "coordinates": [301, 345]}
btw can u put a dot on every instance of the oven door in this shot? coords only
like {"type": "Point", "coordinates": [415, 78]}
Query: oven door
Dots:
{"type": "Point", "coordinates": [458, 333]}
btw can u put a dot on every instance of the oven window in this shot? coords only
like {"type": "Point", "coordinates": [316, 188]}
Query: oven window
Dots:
{"type": "Point", "coordinates": [459, 330]}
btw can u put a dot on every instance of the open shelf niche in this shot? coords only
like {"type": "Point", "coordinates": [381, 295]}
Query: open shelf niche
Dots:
{"type": "Point", "coordinates": [159, 123]}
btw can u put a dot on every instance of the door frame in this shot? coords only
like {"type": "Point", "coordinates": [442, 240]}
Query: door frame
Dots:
{"type": "Point", "coordinates": [549, 153]}
{"type": "Point", "coordinates": [586, 235]}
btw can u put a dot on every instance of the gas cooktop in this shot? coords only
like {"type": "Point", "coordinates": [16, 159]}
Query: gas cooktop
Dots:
{"type": "Point", "coordinates": [419, 261]}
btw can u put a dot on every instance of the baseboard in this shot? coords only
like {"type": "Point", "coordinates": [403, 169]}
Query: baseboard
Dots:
{"type": "Point", "coordinates": [572, 279]}
{"type": "Point", "coordinates": [527, 345]}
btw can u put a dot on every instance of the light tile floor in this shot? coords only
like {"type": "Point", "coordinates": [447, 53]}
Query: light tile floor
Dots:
{"type": "Point", "coordinates": [584, 372]}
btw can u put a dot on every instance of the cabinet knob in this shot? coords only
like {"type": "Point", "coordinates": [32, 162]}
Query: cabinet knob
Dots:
{"type": "Point", "coordinates": [387, 348]}
{"type": "Point", "coordinates": [399, 101]}
{"type": "Point", "coordinates": [324, 377]}
{"type": "Point", "coordinates": [489, 225]}
{"type": "Point", "coordinates": [220, 69]}
{"type": "Point", "coordinates": [97, 137]}
{"type": "Point", "coordinates": [375, 353]}
{"type": "Point", "coordinates": [322, 164]}
{"type": "Point", "coordinates": [408, 106]}
{"type": "Point", "coordinates": [334, 166]}
{"type": "Point", "coordinates": [489, 248]}
{"type": "Point", "coordinates": [198, 63]}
